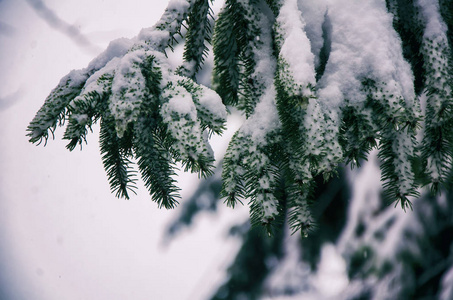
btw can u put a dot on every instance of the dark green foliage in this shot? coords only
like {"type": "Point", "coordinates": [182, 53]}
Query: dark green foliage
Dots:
{"type": "Point", "coordinates": [254, 176]}
{"type": "Point", "coordinates": [209, 122]}
{"type": "Point", "coordinates": [83, 114]}
{"type": "Point", "coordinates": [198, 34]}
{"type": "Point", "coordinates": [226, 75]}
{"type": "Point", "coordinates": [396, 131]}
{"type": "Point", "coordinates": [233, 189]}
{"type": "Point", "coordinates": [234, 38]}
{"type": "Point", "coordinates": [419, 264]}
{"type": "Point", "coordinates": [446, 10]}
{"type": "Point", "coordinates": [329, 214]}
{"type": "Point", "coordinates": [260, 255]}
{"type": "Point", "coordinates": [53, 112]}
{"type": "Point", "coordinates": [155, 163]}
{"type": "Point", "coordinates": [357, 134]}
{"type": "Point", "coordinates": [116, 155]}
{"type": "Point", "coordinates": [426, 56]}
{"type": "Point", "coordinates": [436, 149]}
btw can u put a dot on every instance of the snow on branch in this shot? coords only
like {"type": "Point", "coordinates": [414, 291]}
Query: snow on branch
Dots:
{"type": "Point", "coordinates": [320, 84]}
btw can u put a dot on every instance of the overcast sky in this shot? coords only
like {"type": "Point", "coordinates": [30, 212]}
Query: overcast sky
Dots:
{"type": "Point", "coordinates": [62, 234]}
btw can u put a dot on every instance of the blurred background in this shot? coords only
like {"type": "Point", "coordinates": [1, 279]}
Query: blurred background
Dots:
{"type": "Point", "coordinates": [63, 235]}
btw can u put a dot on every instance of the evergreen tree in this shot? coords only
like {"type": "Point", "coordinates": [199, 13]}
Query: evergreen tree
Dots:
{"type": "Point", "coordinates": [324, 85]}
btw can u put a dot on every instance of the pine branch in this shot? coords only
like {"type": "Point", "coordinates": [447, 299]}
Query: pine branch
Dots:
{"type": "Point", "coordinates": [436, 149]}
{"type": "Point", "coordinates": [116, 153]}
{"type": "Point", "coordinates": [358, 133]}
{"type": "Point", "coordinates": [307, 109]}
{"type": "Point", "coordinates": [397, 124]}
{"type": "Point", "coordinates": [198, 36]}
{"type": "Point", "coordinates": [53, 112]}
{"type": "Point", "coordinates": [143, 105]}
{"type": "Point", "coordinates": [236, 34]}
{"type": "Point", "coordinates": [189, 143]}
{"type": "Point", "coordinates": [233, 188]}
{"type": "Point", "coordinates": [155, 163]}
{"type": "Point", "coordinates": [209, 106]}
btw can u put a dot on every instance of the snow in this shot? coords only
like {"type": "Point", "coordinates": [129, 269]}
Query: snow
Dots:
{"type": "Point", "coordinates": [293, 276]}
{"type": "Point", "coordinates": [364, 45]}
{"type": "Point", "coordinates": [313, 12]}
{"type": "Point", "coordinates": [434, 23]}
{"type": "Point", "coordinates": [291, 273]}
{"type": "Point", "coordinates": [264, 120]}
{"type": "Point", "coordinates": [92, 83]}
{"type": "Point", "coordinates": [128, 90]}
{"type": "Point", "coordinates": [296, 48]}
{"type": "Point", "coordinates": [180, 102]}
{"type": "Point", "coordinates": [160, 35]}
{"type": "Point", "coordinates": [116, 48]}
{"type": "Point", "coordinates": [180, 115]}
{"type": "Point", "coordinates": [179, 5]}
{"type": "Point", "coordinates": [212, 102]}
{"type": "Point", "coordinates": [438, 77]}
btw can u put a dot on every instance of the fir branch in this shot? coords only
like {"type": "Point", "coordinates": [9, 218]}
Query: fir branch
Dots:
{"type": "Point", "coordinates": [86, 109]}
{"type": "Point", "coordinates": [189, 142]}
{"type": "Point", "coordinates": [251, 171]}
{"type": "Point", "coordinates": [210, 111]}
{"type": "Point", "coordinates": [300, 197]}
{"type": "Point", "coordinates": [155, 163]}
{"type": "Point", "coordinates": [234, 59]}
{"type": "Point", "coordinates": [261, 181]}
{"type": "Point", "coordinates": [82, 115]}
{"type": "Point", "coordinates": [162, 35]}
{"type": "Point", "coordinates": [358, 133]}
{"type": "Point", "coordinates": [233, 188]}
{"type": "Point", "coordinates": [128, 87]}
{"type": "Point", "coordinates": [116, 153]}
{"type": "Point", "coordinates": [198, 36]}
{"type": "Point", "coordinates": [53, 112]}
{"type": "Point", "coordinates": [396, 122]}
{"type": "Point", "coordinates": [436, 149]}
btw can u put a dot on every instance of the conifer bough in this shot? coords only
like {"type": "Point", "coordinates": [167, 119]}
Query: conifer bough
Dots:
{"type": "Point", "coordinates": [321, 83]}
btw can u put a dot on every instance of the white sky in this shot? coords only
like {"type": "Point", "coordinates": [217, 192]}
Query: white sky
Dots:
{"type": "Point", "coordinates": [63, 235]}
